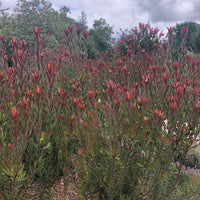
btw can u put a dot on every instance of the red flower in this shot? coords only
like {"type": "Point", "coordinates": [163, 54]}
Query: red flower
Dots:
{"type": "Point", "coordinates": [36, 30]}
{"type": "Point", "coordinates": [158, 114]}
{"type": "Point", "coordinates": [9, 145]}
{"type": "Point", "coordinates": [90, 94]}
{"type": "Point", "coordinates": [14, 113]}
{"type": "Point", "coordinates": [111, 88]}
{"type": "Point", "coordinates": [145, 100]}
{"type": "Point", "coordinates": [171, 98]}
{"type": "Point", "coordinates": [173, 106]}
{"type": "Point", "coordinates": [28, 93]}
{"type": "Point", "coordinates": [19, 54]}
{"type": "Point", "coordinates": [38, 91]}
{"type": "Point", "coordinates": [165, 76]}
{"type": "Point", "coordinates": [78, 30]}
{"type": "Point", "coordinates": [145, 119]}
{"type": "Point", "coordinates": [59, 91]}
{"type": "Point", "coordinates": [197, 105]}
{"type": "Point", "coordinates": [139, 101]}
{"type": "Point", "coordinates": [24, 102]}
{"type": "Point", "coordinates": [14, 41]}
{"type": "Point", "coordinates": [74, 102]}
{"type": "Point", "coordinates": [85, 34]}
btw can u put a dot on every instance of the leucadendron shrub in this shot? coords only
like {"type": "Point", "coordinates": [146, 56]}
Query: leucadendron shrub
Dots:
{"type": "Point", "coordinates": [132, 119]}
{"type": "Point", "coordinates": [121, 123]}
{"type": "Point", "coordinates": [34, 142]}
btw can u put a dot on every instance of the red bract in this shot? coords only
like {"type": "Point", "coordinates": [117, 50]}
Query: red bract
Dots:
{"type": "Point", "coordinates": [197, 106]}
{"type": "Point", "coordinates": [173, 106]}
{"type": "Point", "coordinates": [127, 95]}
{"type": "Point", "coordinates": [19, 54]}
{"type": "Point", "coordinates": [145, 119]}
{"type": "Point", "coordinates": [165, 76]}
{"type": "Point", "coordinates": [90, 94]}
{"type": "Point", "coordinates": [111, 88]}
{"type": "Point", "coordinates": [78, 30]}
{"type": "Point", "coordinates": [195, 91]}
{"type": "Point", "coordinates": [28, 93]}
{"type": "Point", "coordinates": [139, 101]}
{"type": "Point", "coordinates": [158, 114]}
{"type": "Point", "coordinates": [179, 91]}
{"type": "Point", "coordinates": [49, 67]}
{"type": "Point", "coordinates": [146, 77]}
{"type": "Point", "coordinates": [14, 41]}
{"type": "Point", "coordinates": [171, 98]}
{"type": "Point", "coordinates": [59, 91]}
{"type": "Point", "coordinates": [36, 31]}
{"type": "Point", "coordinates": [14, 113]}
{"type": "Point", "coordinates": [85, 34]}
{"type": "Point", "coordinates": [74, 102]}
{"type": "Point", "coordinates": [38, 91]}
{"type": "Point", "coordinates": [24, 102]}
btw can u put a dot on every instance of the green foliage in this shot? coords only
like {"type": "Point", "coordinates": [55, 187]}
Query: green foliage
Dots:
{"type": "Point", "coordinates": [101, 34]}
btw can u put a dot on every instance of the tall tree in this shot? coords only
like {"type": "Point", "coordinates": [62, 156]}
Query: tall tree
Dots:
{"type": "Point", "coordinates": [29, 14]}
{"type": "Point", "coordinates": [82, 21]}
{"type": "Point", "coordinates": [192, 32]}
{"type": "Point", "coordinates": [101, 34]}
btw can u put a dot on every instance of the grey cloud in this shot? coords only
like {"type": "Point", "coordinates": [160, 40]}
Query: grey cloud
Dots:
{"type": "Point", "coordinates": [170, 10]}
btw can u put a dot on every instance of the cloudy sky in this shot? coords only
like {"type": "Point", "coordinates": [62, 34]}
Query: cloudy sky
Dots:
{"type": "Point", "coordinates": [128, 13]}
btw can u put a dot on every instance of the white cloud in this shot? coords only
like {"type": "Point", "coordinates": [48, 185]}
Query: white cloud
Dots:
{"type": "Point", "coordinates": [128, 13]}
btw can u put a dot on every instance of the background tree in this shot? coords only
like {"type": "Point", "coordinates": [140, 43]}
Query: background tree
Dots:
{"type": "Point", "coordinates": [191, 38]}
{"type": "Point", "coordinates": [144, 36]}
{"type": "Point", "coordinates": [101, 34]}
{"type": "Point", "coordinates": [82, 21]}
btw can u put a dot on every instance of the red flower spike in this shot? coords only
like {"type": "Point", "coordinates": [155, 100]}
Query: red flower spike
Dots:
{"type": "Point", "coordinates": [145, 119]}
{"type": "Point", "coordinates": [59, 91]}
{"type": "Point", "coordinates": [36, 31]}
{"type": "Point", "coordinates": [81, 106]}
{"type": "Point", "coordinates": [195, 91]}
{"type": "Point", "coordinates": [12, 92]}
{"type": "Point", "coordinates": [74, 102]}
{"type": "Point", "coordinates": [85, 35]}
{"type": "Point", "coordinates": [145, 100]}
{"type": "Point", "coordinates": [28, 93]}
{"type": "Point", "coordinates": [24, 102]}
{"type": "Point", "coordinates": [72, 118]}
{"type": "Point", "coordinates": [128, 96]}
{"type": "Point", "coordinates": [14, 41]}
{"type": "Point", "coordinates": [111, 88]}
{"type": "Point", "coordinates": [171, 98]}
{"type": "Point", "coordinates": [49, 67]}
{"type": "Point", "coordinates": [139, 101]}
{"type": "Point", "coordinates": [90, 94]}
{"type": "Point", "coordinates": [179, 91]}
{"type": "Point", "coordinates": [85, 124]}
{"type": "Point", "coordinates": [158, 114]}
{"type": "Point", "coordinates": [78, 30]}
{"type": "Point", "coordinates": [38, 91]}
{"type": "Point", "coordinates": [9, 145]}
{"type": "Point", "coordinates": [165, 76]}
{"type": "Point", "coordinates": [19, 54]}
{"type": "Point", "coordinates": [116, 102]}
{"type": "Point", "coordinates": [14, 113]}
{"type": "Point", "coordinates": [173, 106]}
{"type": "Point", "coordinates": [197, 106]}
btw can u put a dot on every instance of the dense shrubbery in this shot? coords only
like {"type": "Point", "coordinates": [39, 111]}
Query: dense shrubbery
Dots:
{"type": "Point", "coordinates": [120, 123]}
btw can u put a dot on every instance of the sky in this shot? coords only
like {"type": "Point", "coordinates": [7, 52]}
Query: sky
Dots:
{"type": "Point", "coordinates": [128, 13]}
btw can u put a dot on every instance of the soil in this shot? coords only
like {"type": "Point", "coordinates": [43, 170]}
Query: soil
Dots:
{"type": "Point", "coordinates": [59, 192]}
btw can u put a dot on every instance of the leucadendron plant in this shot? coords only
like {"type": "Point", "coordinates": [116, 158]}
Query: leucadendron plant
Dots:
{"type": "Point", "coordinates": [133, 119]}
{"type": "Point", "coordinates": [30, 104]}
{"type": "Point", "coordinates": [125, 124]}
